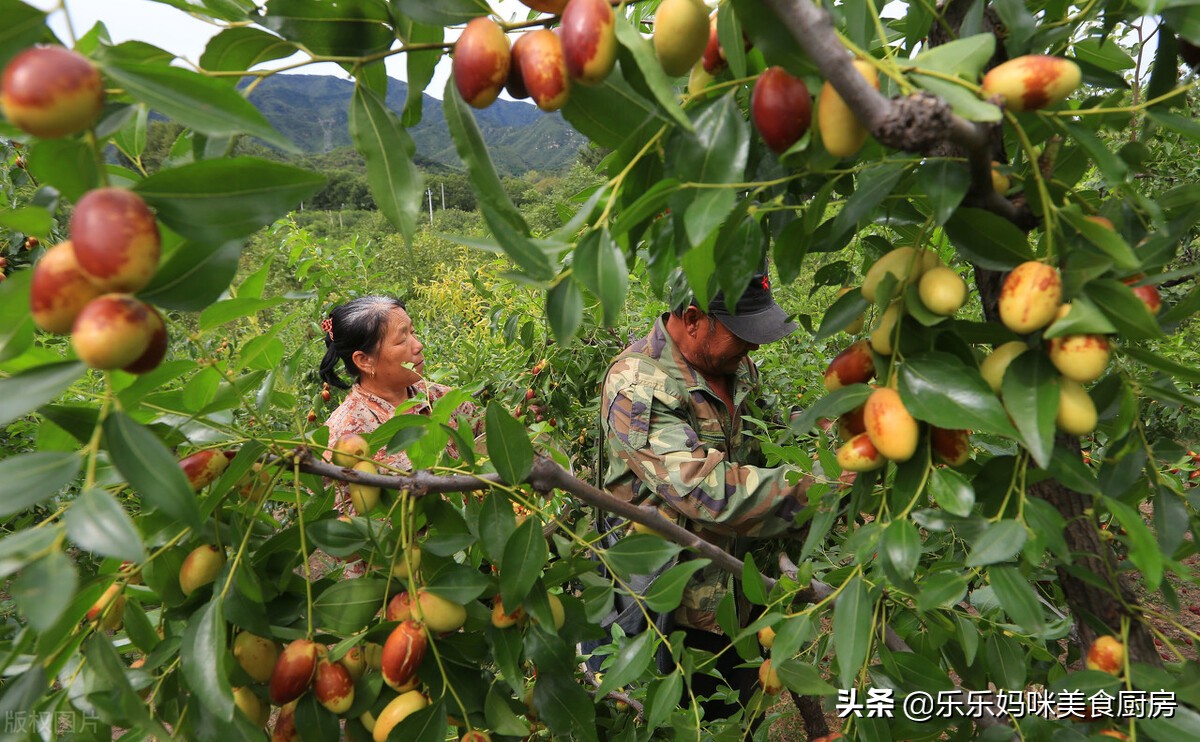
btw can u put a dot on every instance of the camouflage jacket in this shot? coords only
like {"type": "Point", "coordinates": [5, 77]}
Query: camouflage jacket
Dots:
{"type": "Point", "coordinates": [672, 443]}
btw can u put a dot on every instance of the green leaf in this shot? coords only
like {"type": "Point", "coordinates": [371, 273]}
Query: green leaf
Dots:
{"type": "Point", "coordinates": [940, 389]}
{"type": "Point", "coordinates": [347, 28]}
{"type": "Point", "coordinates": [524, 556]}
{"type": "Point", "coordinates": [872, 186]}
{"type": "Point", "coordinates": [44, 589]}
{"type": "Point", "coordinates": [424, 725]}
{"type": "Point", "coordinates": [1143, 548]}
{"type": "Point", "coordinates": [23, 26]}
{"type": "Point", "coordinates": [999, 542]}
{"type": "Point", "coordinates": [97, 522]}
{"type": "Point", "coordinates": [508, 446]}
{"type": "Point", "coordinates": [421, 65]}
{"type": "Point", "coordinates": [16, 335]}
{"type": "Point", "coordinates": [771, 37]}
{"type": "Point", "coordinates": [1030, 389]}
{"type": "Point", "coordinates": [500, 717]}
{"type": "Point", "coordinates": [944, 182]}
{"type": "Point", "coordinates": [395, 181]}
{"type": "Point", "coordinates": [852, 629]}
{"type": "Point", "coordinates": [714, 154]}
{"type": "Point", "coordinates": [24, 392]}
{"type": "Point", "coordinates": [640, 554]}
{"type": "Point", "coordinates": [801, 677]}
{"type": "Point", "coordinates": [612, 114]}
{"type": "Point", "coordinates": [599, 266]}
{"type": "Point", "coordinates": [900, 550]}
{"type": "Point", "coordinates": [564, 310]}
{"type": "Point", "coordinates": [1083, 319]}
{"type": "Point", "coordinates": [215, 201]}
{"type": "Point", "coordinates": [150, 469]}
{"type": "Point", "coordinates": [1127, 313]}
{"type": "Point", "coordinates": [349, 605]}
{"type": "Point", "coordinates": [963, 57]}
{"type": "Point", "coordinates": [831, 405]}
{"type": "Point", "coordinates": [568, 710]}
{"type": "Point", "coordinates": [962, 100]}
{"type": "Point", "coordinates": [845, 309]}
{"type": "Point", "coordinates": [631, 661]}
{"type": "Point", "coordinates": [1017, 598]}
{"type": "Point", "coordinates": [988, 240]}
{"type": "Point", "coordinates": [496, 523]}
{"type": "Point", "coordinates": [20, 547]}
{"type": "Point", "coordinates": [641, 67]}
{"type": "Point", "coordinates": [201, 103]}
{"type": "Point", "coordinates": [241, 48]}
{"type": "Point", "coordinates": [67, 164]}
{"type": "Point", "coordinates": [753, 587]}
{"type": "Point", "coordinates": [1171, 368]}
{"type": "Point", "coordinates": [941, 590]}
{"type": "Point", "coordinates": [1068, 468]}
{"type": "Point", "coordinates": [1110, 242]}
{"type": "Point", "coordinates": [791, 634]}
{"type": "Point", "coordinates": [202, 654]}
{"type": "Point", "coordinates": [665, 593]}
{"type": "Point", "coordinates": [23, 693]}
{"type": "Point", "coordinates": [1113, 168]}
{"type": "Point", "coordinates": [194, 276]}
{"type": "Point", "coordinates": [1184, 724]}
{"type": "Point", "coordinates": [441, 13]}
{"type": "Point", "coordinates": [457, 583]}
{"type": "Point", "coordinates": [952, 492]}
{"type": "Point", "coordinates": [27, 479]}
{"type": "Point", "coordinates": [663, 699]}
{"type": "Point", "coordinates": [27, 219]}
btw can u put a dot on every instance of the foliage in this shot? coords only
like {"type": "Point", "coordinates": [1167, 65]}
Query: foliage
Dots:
{"type": "Point", "coordinates": [937, 577]}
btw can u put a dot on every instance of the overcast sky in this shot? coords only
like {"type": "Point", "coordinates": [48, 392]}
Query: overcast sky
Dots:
{"type": "Point", "coordinates": [185, 36]}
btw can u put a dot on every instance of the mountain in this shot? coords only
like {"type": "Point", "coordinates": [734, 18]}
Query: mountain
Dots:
{"type": "Point", "coordinates": [311, 110]}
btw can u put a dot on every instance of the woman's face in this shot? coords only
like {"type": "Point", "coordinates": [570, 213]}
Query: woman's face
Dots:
{"type": "Point", "coordinates": [398, 362]}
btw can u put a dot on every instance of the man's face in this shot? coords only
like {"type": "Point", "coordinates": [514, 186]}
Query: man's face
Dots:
{"type": "Point", "coordinates": [715, 350]}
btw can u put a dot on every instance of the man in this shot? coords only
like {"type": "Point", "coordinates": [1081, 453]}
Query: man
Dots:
{"type": "Point", "coordinates": [671, 409]}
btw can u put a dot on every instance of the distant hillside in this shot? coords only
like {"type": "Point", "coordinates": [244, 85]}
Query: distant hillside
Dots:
{"type": "Point", "coordinates": [311, 110]}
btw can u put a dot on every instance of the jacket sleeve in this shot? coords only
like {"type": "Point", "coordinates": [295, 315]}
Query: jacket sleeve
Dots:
{"type": "Point", "coordinates": [648, 429]}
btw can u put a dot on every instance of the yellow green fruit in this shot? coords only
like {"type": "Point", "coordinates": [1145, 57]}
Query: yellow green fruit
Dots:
{"type": "Point", "coordinates": [680, 35]}
{"type": "Point", "coordinates": [942, 291]}
{"type": "Point", "coordinates": [890, 427]}
{"type": "Point", "coordinates": [1076, 411]}
{"type": "Point", "coordinates": [1031, 82]}
{"type": "Point", "coordinates": [1030, 297]}
{"type": "Point", "coordinates": [841, 131]}
{"type": "Point", "coordinates": [993, 367]}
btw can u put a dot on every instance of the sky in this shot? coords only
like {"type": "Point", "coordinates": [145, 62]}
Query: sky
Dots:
{"type": "Point", "coordinates": [177, 32]}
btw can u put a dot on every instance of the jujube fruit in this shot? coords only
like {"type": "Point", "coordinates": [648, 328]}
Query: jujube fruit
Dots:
{"type": "Point", "coordinates": [766, 637]}
{"type": "Point", "coordinates": [364, 496]}
{"type": "Point", "coordinates": [890, 426]}
{"type": "Point", "coordinates": [481, 61]}
{"type": "Point", "coordinates": [116, 239]}
{"type": "Point", "coordinates": [993, 367]}
{"type": "Point", "coordinates": [113, 331]}
{"type": "Point", "coordinates": [781, 108]}
{"type": "Point", "coordinates": [59, 290]}
{"type": "Point", "coordinates": [400, 708]}
{"type": "Point", "coordinates": [251, 706]}
{"type": "Point", "coordinates": [841, 131]}
{"type": "Point", "coordinates": [883, 336]}
{"type": "Point", "coordinates": [355, 662]}
{"type": "Point", "coordinates": [349, 449]}
{"type": "Point", "coordinates": [854, 365]}
{"type": "Point", "coordinates": [768, 678]}
{"type": "Point", "coordinates": [857, 324]}
{"type": "Point", "coordinates": [403, 653]}
{"type": "Point", "coordinates": [544, 70]}
{"type": "Point", "coordinates": [1081, 358]}
{"type": "Point", "coordinates": [680, 35]}
{"type": "Point", "coordinates": [203, 467]}
{"type": "Point", "coordinates": [1107, 654]}
{"type": "Point", "coordinates": [1000, 181]}
{"type": "Point", "coordinates": [1031, 82]}
{"type": "Point", "coordinates": [333, 686]}
{"type": "Point", "coordinates": [503, 619]}
{"type": "Point", "coordinates": [942, 291]}
{"type": "Point", "coordinates": [589, 41]}
{"type": "Point", "coordinates": [201, 567]}
{"type": "Point", "coordinates": [859, 454]}
{"type": "Point", "coordinates": [1030, 297]}
{"type": "Point", "coordinates": [285, 724]}
{"type": "Point", "coordinates": [156, 349]}
{"type": "Point", "coordinates": [51, 92]}
{"type": "Point", "coordinates": [256, 655]}
{"type": "Point", "coordinates": [850, 424]}
{"type": "Point", "coordinates": [109, 609]}
{"type": "Point", "coordinates": [294, 671]}
{"type": "Point", "coordinates": [1076, 411]}
{"type": "Point", "coordinates": [408, 560]}
{"type": "Point", "coordinates": [951, 446]}
{"type": "Point", "coordinates": [904, 264]}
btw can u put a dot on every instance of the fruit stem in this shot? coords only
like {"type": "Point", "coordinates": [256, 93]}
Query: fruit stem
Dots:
{"type": "Point", "coordinates": [93, 446]}
{"type": "Point", "coordinates": [1048, 212]}
{"type": "Point", "coordinates": [619, 178]}
{"type": "Point", "coordinates": [1135, 108]}
{"type": "Point", "coordinates": [308, 613]}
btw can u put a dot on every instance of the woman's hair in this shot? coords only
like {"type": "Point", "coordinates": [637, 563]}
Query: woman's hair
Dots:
{"type": "Point", "coordinates": [357, 325]}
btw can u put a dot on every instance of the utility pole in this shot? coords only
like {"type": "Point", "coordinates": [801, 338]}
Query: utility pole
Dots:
{"type": "Point", "coordinates": [443, 196]}
{"type": "Point", "coordinates": [429, 193]}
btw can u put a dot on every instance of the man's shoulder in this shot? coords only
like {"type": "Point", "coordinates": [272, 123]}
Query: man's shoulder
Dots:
{"type": "Point", "coordinates": [632, 369]}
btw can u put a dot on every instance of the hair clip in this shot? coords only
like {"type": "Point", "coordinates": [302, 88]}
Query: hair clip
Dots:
{"type": "Point", "coordinates": [327, 326]}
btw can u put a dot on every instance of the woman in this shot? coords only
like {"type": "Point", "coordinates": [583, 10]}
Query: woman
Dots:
{"type": "Point", "coordinates": [373, 337]}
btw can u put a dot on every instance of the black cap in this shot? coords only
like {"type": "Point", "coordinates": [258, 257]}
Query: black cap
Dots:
{"type": "Point", "coordinates": [757, 318]}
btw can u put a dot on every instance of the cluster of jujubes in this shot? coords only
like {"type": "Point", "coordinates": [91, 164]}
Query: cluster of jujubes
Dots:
{"type": "Point", "coordinates": [541, 64]}
{"type": "Point", "coordinates": [84, 286]}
